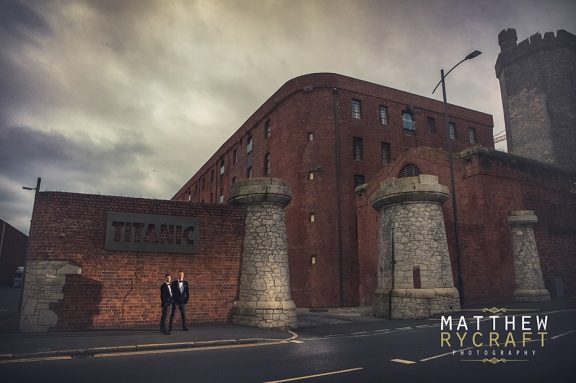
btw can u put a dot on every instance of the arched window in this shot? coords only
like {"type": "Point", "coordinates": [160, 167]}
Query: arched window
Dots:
{"type": "Point", "coordinates": [409, 170]}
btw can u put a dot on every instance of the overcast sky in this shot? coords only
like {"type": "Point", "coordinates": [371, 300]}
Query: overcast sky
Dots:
{"type": "Point", "coordinates": [131, 97]}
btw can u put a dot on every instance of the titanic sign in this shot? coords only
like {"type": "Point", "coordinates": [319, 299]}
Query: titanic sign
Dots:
{"type": "Point", "coordinates": [151, 233]}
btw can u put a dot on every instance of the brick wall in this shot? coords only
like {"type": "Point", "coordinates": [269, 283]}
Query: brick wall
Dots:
{"type": "Point", "coordinates": [121, 289]}
{"type": "Point", "coordinates": [320, 104]}
{"type": "Point", "coordinates": [489, 185]}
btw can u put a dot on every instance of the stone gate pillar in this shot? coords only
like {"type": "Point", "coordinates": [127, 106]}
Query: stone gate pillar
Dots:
{"type": "Point", "coordinates": [414, 271]}
{"type": "Point", "coordinates": [264, 298]}
{"type": "Point", "coordinates": [527, 271]}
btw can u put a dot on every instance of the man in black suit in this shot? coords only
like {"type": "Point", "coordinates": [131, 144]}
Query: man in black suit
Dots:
{"type": "Point", "coordinates": [166, 299]}
{"type": "Point", "coordinates": [180, 290]}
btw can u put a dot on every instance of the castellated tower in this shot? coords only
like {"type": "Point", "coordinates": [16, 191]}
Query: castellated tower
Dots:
{"type": "Point", "coordinates": [538, 86]}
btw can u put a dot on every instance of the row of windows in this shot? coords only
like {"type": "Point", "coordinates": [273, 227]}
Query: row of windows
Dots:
{"type": "Point", "coordinates": [358, 150]}
{"type": "Point", "coordinates": [408, 123]}
{"type": "Point", "coordinates": [249, 149]}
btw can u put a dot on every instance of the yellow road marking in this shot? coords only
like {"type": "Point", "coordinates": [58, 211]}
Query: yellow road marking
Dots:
{"type": "Point", "coordinates": [564, 333]}
{"type": "Point", "coordinates": [8, 361]}
{"type": "Point", "coordinates": [315, 375]}
{"type": "Point", "coordinates": [147, 352]}
{"type": "Point", "coordinates": [403, 361]}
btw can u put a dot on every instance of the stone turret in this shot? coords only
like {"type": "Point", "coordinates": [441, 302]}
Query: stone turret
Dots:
{"type": "Point", "coordinates": [264, 298]}
{"type": "Point", "coordinates": [414, 271]}
{"type": "Point", "coordinates": [527, 271]}
{"type": "Point", "coordinates": [537, 83]}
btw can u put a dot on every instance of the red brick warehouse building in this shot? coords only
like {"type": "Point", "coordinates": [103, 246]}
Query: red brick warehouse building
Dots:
{"type": "Point", "coordinates": [325, 134]}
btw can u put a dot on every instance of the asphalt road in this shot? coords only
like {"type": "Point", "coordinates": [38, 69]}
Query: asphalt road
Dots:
{"type": "Point", "coordinates": [382, 351]}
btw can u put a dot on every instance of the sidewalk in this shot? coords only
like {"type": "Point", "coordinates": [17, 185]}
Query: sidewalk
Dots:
{"type": "Point", "coordinates": [88, 343]}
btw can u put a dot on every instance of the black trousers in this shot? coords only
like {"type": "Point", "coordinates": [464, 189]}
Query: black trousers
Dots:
{"type": "Point", "coordinates": [165, 309]}
{"type": "Point", "coordinates": [182, 307]}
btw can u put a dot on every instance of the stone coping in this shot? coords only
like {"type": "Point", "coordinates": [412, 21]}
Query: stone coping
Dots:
{"type": "Point", "coordinates": [522, 218]}
{"type": "Point", "coordinates": [422, 188]}
{"type": "Point", "coordinates": [258, 190]}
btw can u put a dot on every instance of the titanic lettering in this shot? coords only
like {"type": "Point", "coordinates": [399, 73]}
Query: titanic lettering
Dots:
{"type": "Point", "coordinates": [151, 233]}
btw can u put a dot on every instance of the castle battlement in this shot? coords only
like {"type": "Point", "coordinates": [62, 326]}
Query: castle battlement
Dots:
{"type": "Point", "coordinates": [510, 51]}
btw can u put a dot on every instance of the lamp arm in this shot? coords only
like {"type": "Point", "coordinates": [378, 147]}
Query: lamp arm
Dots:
{"type": "Point", "coordinates": [447, 73]}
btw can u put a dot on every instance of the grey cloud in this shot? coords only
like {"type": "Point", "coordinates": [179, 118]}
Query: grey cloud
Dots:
{"type": "Point", "coordinates": [96, 94]}
{"type": "Point", "coordinates": [16, 17]}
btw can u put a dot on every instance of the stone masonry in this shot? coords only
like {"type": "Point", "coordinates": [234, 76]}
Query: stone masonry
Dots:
{"type": "Point", "coordinates": [45, 281]}
{"type": "Point", "coordinates": [414, 271]}
{"type": "Point", "coordinates": [264, 296]}
{"type": "Point", "coordinates": [538, 94]}
{"type": "Point", "coordinates": [527, 271]}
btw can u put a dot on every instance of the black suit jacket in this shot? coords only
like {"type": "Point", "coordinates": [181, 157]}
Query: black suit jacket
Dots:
{"type": "Point", "coordinates": [165, 297]}
{"type": "Point", "coordinates": [180, 298]}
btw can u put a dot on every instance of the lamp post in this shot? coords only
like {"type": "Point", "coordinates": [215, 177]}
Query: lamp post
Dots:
{"type": "Point", "coordinates": [449, 148]}
{"type": "Point", "coordinates": [36, 190]}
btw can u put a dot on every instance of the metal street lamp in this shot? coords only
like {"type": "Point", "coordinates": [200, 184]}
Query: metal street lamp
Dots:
{"type": "Point", "coordinates": [451, 164]}
{"type": "Point", "coordinates": [37, 188]}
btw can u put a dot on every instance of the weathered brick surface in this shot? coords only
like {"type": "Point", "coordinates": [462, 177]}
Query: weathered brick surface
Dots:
{"type": "Point", "coordinates": [121, 289]}
{"type": "Point", "coordinates": [321, 104]}
{"type": "Point", "coordinates": [489, 186]}
{"type": "Point", "coordinates": [539, 97]}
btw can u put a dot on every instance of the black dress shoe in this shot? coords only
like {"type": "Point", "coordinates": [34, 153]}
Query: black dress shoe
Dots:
{"type": "Point", "coordinates": [185, 329]}
{"type": "Point", "coordinates": [167, 332]}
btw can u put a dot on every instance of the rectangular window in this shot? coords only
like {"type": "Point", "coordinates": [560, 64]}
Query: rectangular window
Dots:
{"type": "Point", "coordinates": [222, 167]}
{"type": "Point", "coordinates": [212, 175]}
{"type": "Point", "coordinates": [472, 136]}
{"type": "Point", "coordinates": [310, 136]}
{"type": "Point", "coordinates": [416, 277]}
{"type": "Point", "coordinates": [358, 180]}
{"type": "Point", "coordinates": [249, 145]}
{"type": "Point", "coordinates": [383, 113]}
{"type": "Point", "coordinates": [267, 128]}
{"type": "Point", "coordinates": [356, 109]}
{"type": "Point", "coordinates": [358, 149]}
{"type": "Point", "coordinates": [451, 130]}
{"type": "Point", "coordinates": [312, 217]}
{"type": "Point", "coordinates": [203, 182]}
{"type": "Point", "coordinates": [235, 157]}
{"type": "Point", "coordinates": [385, 152]}
{"type": "Point", "coordinates": [267, 164]}
{"type": "Point", "coordinates": [249, 172]}
{"type": "Point", "coordinates": [408, 122]}
{"type": "Point", "coordinates": [311, 175]}
{"type": "Point", "coordinates": [431, 123]}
